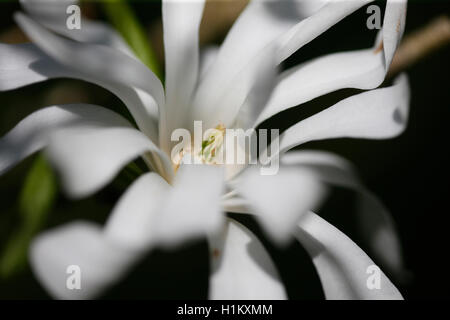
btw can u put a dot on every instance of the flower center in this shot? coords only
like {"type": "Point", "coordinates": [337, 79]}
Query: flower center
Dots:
{"type": "Point", "coordinates": [212, 146]}
{"type": "Point", "coordinates": [211, 151]}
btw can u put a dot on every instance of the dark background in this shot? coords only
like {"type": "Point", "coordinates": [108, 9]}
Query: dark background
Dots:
{"type": "Point", "coordinates": [409, 173]}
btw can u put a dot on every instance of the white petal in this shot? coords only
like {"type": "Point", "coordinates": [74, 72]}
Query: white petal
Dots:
{"type": "Point", "coordinates": [262, 27]}
{"type": "Point", "coordinates": [192, 207]}
{"type": "Point", "coordinates": [377, 114]}
{"type": "Point", "coordinates": [153, 213]}
{"type": "Point", "coordinates": [245, 93]}
{"type": "Point", "coordinates": [377, 225]}
{"type": "Point", "coordinates": [233, 202]}
{"type": "Point", "coordinates": [393, 28]}
{"type": "Point", "coordinates": [53, 15]}
{"type": "Point", "coordinates": [241, 267]}
{"type": "Point", "coordinates": [97, 61]}
{"type": "Point", "coordinates": [207, 57]}
{"type": "Point", "coordinates": [255, 29]}
{"type": "Point", "coordinates": [181, 22]}
{"type": "Point", "coordinates": [132, 222]}
{"type": "Point", "coordinates": [279, 200]}
{"type": "Point", "coordinates": [32, 133]}
{"type": "Point", "coordinates": [89, 158]}
{"type": "Point", "coordinates": [25, 64]}
{"type": "Point", "coordinates": [83, 245]}
{"type": "Point", "coordinates": [311, 27]}
{"type": "Point", "coordinates": [264, 81]}
{"type": "Point", "coordinates": [363, 69]}
{"type": "Point", "coordinates": [342, 266]}
{"type": "Point", "coordinates": [258, 26]}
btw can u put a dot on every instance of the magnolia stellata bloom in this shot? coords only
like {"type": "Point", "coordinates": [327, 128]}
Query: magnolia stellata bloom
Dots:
{"type": "Point", "coordinates": [234, 86]}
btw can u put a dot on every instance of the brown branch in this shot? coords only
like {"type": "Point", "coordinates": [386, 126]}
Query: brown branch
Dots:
{"type": "Point", "coordinates": [421, 43]}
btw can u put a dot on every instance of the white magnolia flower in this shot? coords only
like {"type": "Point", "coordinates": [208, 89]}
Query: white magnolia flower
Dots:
{"type": "Point", "coordinates": [230, 86]}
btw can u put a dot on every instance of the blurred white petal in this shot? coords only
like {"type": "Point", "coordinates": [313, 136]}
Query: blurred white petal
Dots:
{"type": "Point", "coordinates": [33, 133]}
{"type": "Point", "coordinates": [153, 213]}
{"type": "Point", "coordinates": [25, 64]}
{"type": "Point", "coordinates": [181, 22]}
{"type": "Point", "coordinates": [82, 244]}
{"type": "Point", "coordinates": [377, 114]}
{"type": "Point", "coordinates": [207, 57]}
{"type": "Point", "coordinates": [341, 264]}
{"type": "Point", "coordinates": [97, 61]}
{"type": "Point", "coordinates": [53, 15]}
{"type": "Point", "coordinates": [89, 158]}
{"type": "Point", "coordinates": [241, 267]}
{"type": "Point", "coordinates": [280, 200]}
{"type": "Point", "coordinates": [132, 222]}
{"type": "Point", "coordinates": [377, 226]}
{"type": "Point", "coordinates": [192, 207]}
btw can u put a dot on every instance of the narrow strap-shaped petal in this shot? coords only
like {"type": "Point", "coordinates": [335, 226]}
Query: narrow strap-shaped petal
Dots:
{"type": "Point", "coordinates": [377, 226]}
{"type": "Point", "coordinates": [25, 64]}
{"type": "Point", "coordinates": [89, 158]}
{"type": "Point", "coordinates": [345, 271]}
{"type": "Point", "coordinates": [53, 15]}
{"type": "Point", "coordinates": [95, 60]}
{"type": "Point", "coordinates": [279, 200]}
{"type": "Point", "coordinates": [181, 22]}
{"type": "Point", "coordinates": [33, 132]}
{"type": "Point", "coordinates": [266, 25]}
{"type": "Point", "coordinates": [255, 28]}
{"type": "Point", "coordinates": [76, 261]}
{"type": "Point", "coordinates": [247, 95]}
{"type": "Point", "coordinates": [362, 69]}
{"type": "Point", "coordinates": [377, 114]}
{"type": "Point", "coordinates": [311, 27]}
{"type": "Point", "coordinates": [241, 267]}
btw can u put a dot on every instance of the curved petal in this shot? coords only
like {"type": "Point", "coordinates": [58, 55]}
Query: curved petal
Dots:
{"type": "Point", "coordinates": [345, 270]}
{"type": "Point", "coordinates": [311, 27]}
{"type": "Point", "coordinates": [253, 100]}
{"type": "Point", "coordinates": [25, 64]}
{"type": "Point", "coordinates": [255, 28]}
{"type": "Point", "coordinates": [89, 158]}
{"type": "Point", "coordinates": [53, 15]}
{"type": "Point", "coordinates": [262, 27]}
{"type": "Point", "coordinates": [362, 69]}
{"type": "Point", "coordinates": [97, 61]}
{"type": "Point", "coordinates": [377, 225]}
{"type": "Point", "coordinates": [377, 114]}
{"type": "Point", "coordinates": [16, 66]}
{"type": "Point", "coordinates": [241, 267]}
{"type": "Point", "coordinates": [181, 22]}
{"type": "Point", "coordinates": [33, 132]}
{"type": "Point", "coordinates": [246, 95]}
{"type": "Point", "coordinates": [279, 200]}
{"type": "Point", "coordinates": [59, 255]}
